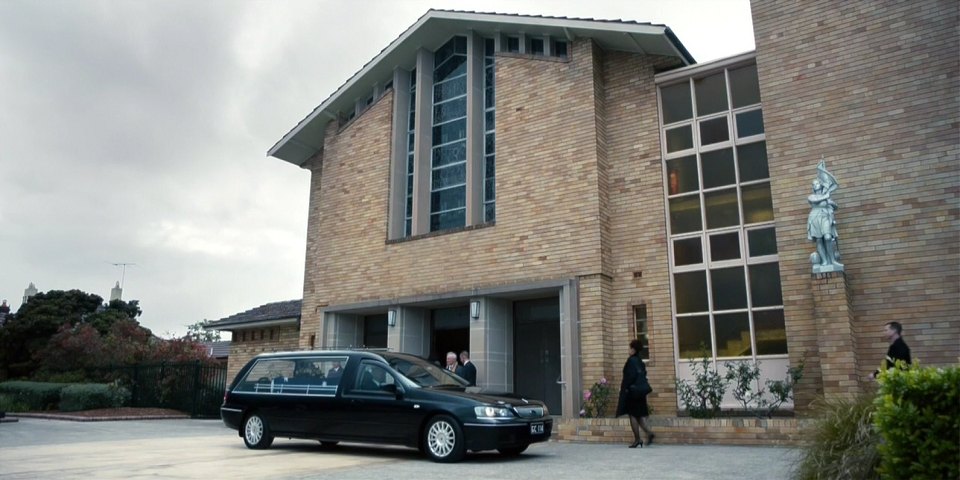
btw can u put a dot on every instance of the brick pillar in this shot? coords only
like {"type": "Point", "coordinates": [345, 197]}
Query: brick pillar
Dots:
{"type": "Point", "coordinates": [836, 335]}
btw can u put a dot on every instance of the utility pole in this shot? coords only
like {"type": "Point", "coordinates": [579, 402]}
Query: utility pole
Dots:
{"type": "Point", "coordinates": [123, 270]}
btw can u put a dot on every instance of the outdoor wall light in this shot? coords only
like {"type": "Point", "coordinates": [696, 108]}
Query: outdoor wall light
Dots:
{"type": "Point", "coordinates": [474, 309]}
{"type": "Point", "coordinates": [392, 317]}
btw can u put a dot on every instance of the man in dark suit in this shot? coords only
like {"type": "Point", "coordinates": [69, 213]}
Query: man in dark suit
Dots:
{"type": "Point", "coordinates": [468, 370]}
{"type": "Point", "coordinates": [898, 349]}
{"type": "Point", "coordinates": [335, 372]}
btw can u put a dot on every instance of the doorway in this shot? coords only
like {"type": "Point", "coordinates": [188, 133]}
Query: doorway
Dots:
{"type": "Point", "coordinates": [375, 331]}
{"type": "Point", "coordinates": [450, 332]}
{"type": "Point", "coordinates": [537, 351]}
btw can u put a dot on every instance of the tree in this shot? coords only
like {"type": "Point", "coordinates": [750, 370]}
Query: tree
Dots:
{"type": "Point", "coordinates": [197, 333]}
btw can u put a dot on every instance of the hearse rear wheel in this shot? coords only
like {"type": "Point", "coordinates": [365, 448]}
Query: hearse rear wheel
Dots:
{"type": "Point", "coordinates": [443, 440]}
{"type": "Point", "coordinates": [256, 432]}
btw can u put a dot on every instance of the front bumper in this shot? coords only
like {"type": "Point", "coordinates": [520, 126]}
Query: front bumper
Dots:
{"type": "Point", "coordinates": [489, 436]}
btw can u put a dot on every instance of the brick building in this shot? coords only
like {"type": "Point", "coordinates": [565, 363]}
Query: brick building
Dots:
{"type": "Point", "coordinates": [540, 190]}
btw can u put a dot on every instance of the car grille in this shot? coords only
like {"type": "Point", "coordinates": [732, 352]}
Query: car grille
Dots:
{"type": "Point", "coordinates": [530, 412]}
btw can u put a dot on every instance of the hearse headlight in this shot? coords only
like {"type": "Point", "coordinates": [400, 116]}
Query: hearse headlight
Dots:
{"type": "Point", "coordinates": [492, 412]}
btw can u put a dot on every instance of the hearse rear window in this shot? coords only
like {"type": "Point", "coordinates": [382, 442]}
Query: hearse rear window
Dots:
{"type": "Point", "coordinates": [294, 376]}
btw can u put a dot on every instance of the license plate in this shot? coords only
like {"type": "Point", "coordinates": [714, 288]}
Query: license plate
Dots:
{"type": "Point", "coordinates": [536, 429]}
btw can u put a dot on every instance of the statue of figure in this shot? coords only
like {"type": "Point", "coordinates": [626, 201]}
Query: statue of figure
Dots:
{"type": "Point", "coordinates": [821, 225]}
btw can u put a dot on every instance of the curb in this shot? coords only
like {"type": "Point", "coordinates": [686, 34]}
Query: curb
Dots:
{"type": "Point", "coordinates": [78, 418]}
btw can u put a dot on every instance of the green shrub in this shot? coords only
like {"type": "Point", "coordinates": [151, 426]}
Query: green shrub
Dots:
{"type": "Point", "coordinates": [842, 443]}
{"type": "Point", "coordinates": [702, 397]}
{"type": "Point", "coordinates": [9, 403]}
{"type": "Point", "coordinates": [918, 416]}
{"type": "Point", "coordinates": [90, 396]}
{"type": "Point", "coordinates": [34, 395]}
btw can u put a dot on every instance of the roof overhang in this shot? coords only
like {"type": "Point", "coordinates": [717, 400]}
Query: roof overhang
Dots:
{"type": "Point", "coordinates": [436, 27]}
{"type": "Point", "coordinates": [242, 325]}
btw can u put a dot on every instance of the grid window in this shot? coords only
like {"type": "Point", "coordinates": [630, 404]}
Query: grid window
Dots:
{"type": "Point", "coordinates": [727, 297]}
{"type": "Point", "coordinates": [448, 186]}
{"type": "Point", "coordinates": [489, 133]}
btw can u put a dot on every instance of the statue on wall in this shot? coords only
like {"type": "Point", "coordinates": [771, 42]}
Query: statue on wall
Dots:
{"type": "Point", "coordinates": [821, 224]}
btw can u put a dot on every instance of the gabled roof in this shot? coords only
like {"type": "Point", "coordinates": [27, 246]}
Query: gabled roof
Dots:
{"type": "Point", "coordinates": [436, 27]}
{"type": "Point", "coordinates": [271, 314]}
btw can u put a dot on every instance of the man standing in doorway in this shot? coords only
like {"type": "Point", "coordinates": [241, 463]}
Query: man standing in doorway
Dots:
{"type": "Point", "coordinates": [452, 365]}
{"type": "Point", "coordinates": [468, 371]}
{"type": "Point", "coordinates": [898, 349]}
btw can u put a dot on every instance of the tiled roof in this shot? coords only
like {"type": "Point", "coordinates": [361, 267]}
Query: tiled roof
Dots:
{"type": "Point", "coordinates": [220, 349]}
{"type": "Point", "coordinates": [289, 309]}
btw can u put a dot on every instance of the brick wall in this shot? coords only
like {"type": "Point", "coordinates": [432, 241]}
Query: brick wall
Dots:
{"type": "Point", "coordinates": [872, 86]}
{"type": "Point", "coordinates": [685, 430]}
{"type": "Point", "coordinates": [259, 340]}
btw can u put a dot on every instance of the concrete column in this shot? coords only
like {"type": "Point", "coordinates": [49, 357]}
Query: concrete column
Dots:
{"type": "Point", "coordinates": [474, 129]}
{"type": "Point", "coordinates": [836, 335]}
{"type": "Point", "coordinates": [412, 332]}
{"type": "Point", "coordinates": [398, 154]}
{"type": "Point", "coordinates": [570, 348]}
{"type": "Point", "coordinates": [423, 141]}
{"type": "Point", "coordinates": [491, 344]}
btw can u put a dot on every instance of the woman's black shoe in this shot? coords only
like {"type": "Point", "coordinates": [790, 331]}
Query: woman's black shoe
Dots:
{"type": "Point", "coordinates": [636, 444]}
{"type": "Point", "coordinates": [650, 439]}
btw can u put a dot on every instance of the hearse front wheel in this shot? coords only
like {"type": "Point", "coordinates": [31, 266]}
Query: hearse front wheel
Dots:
{"type": "Point", "coordinates": [256, 432]}
{"type": "Point", "coordinates": [443, 440]}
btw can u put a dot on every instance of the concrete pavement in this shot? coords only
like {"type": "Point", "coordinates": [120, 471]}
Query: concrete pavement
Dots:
{"type": "Point", "coordinates": [34, 448]}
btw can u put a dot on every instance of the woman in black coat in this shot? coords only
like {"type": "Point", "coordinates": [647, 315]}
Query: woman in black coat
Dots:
{"type": "Point", "coordinates": [636, 408]}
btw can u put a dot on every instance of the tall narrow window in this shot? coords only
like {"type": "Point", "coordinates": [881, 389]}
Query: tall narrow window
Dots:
{"type": "Point", "coordinates": [640, 322]}
{"type": "Point", "coordinates": [448, 163]}
{"type": "Point", "coordinates": [726, 279]}
{"type": "Point", "coordinates": [489, 134]}
{"type": "Point", "coordinates": [411, 128]}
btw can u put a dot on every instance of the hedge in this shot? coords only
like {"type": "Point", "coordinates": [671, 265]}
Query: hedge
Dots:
{"type": "Point", "coordinates": [918, 416]}
{"type": "Point", "coordinates": [89, 396]}
{"type": "Point", "coordinates": [33, 395]}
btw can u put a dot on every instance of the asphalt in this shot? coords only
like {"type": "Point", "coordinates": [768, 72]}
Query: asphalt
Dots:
{"type": "Point", "coordinates": [40, 448]}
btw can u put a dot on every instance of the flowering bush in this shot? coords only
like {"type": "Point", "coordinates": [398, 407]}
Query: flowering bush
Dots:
{"type": "Point", "coordinates": [596, 399]}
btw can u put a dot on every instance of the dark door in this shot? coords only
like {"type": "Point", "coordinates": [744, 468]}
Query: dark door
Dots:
{"type": "Point", "coordinates": [375, 411]}
{"type": "Point", "coordinates": [450, 332]}
{"type": "Point", "coordinates": [537, 350]}
{"type": "Point", "coordinates": [375, 331]}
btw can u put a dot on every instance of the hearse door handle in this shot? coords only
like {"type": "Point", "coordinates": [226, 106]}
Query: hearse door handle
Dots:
{"type": "Point", "coordinates": [560, 380]}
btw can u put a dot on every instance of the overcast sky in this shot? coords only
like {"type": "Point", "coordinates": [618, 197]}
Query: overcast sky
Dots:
{"type": "Point", "coordinates": [136, 132]}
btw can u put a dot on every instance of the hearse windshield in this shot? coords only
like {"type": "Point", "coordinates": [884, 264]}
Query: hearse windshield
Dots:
{"type": "Point", "coordinates": [424, 373]}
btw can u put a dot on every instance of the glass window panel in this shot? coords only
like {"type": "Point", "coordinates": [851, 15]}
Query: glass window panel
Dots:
{"type": "Point", "coordinates": [489, 96]}
{"type": "Point", "coordinates": [513, 44]}
{"type": "Point", "coordinates": [744, 86]}
{"type": "Point", "coordinates": [711, 94]}
{"type": "Point", "coordinates": [771, 332]}
{"type": "Point", "coordinates": [733, 334]}
{"type": "Point", "coordinates": [762, 241]}
{"type": "Point", "coordinates": [714, 131]}
{"type": "Point", "coordinates": [682, 175]}
{"type": "Point", "coordinates": [729, 288]}
{"type": "Point", "coordinates": [725, 246]}
{"type": "Point", "coordinates": [685, 214]}
{"type": "Point", "coordinates": [449, 110]}
{"type": "Point", "coordinates": [693, 336]}
{"type": "Point", "coordinates": [452, 67]}
{"type": "Point", "coordinates": [676, 103]}
{"type": "Point", "coordinates": [765, 285]}
{"type": "Point", "coordinates": [447, 90]}
{"type": "Point", "coordinates": [752, 159]}
{"type": "Point", "coordinates": [687, 251]}
{"type": "Point", "coordinates": [407, 227]}
{"type": "Point", "coordinates": [560, 49]}
{"type": "Point", "coordinates": [489, 190]}
{"type": "Point", "coordinates": [680, 138]}
{"type": "Point", "coordinates": [488, 46]}
{"type": "Point", "coordinates": [460, 45]}
{"type": "Point", "coordinates": [757, 204]}
{"type": "Point", "coordinates": [536, 46]}
{"type": "Point", "coordinates": [718, 168]}
{"type": "Point", "coordinates": [490, 168]}
{"type": "Point", "coordinates": [640, 318]}
{"type": "Point", "coordinates": [450, 153]}
{"type": "Point", "coordinates": [448, 199]}
{"type": "Point", "coordinates": [410, 162]}
{"type": "Point", "coordinates": [490, 212]}
{"type": "Point", "coordinates": [749, 123]}
{"type": "Point", "coordinates": [409, 184]}
{"type": "Point", "coordinates": [448, 132]}
{"type": "Point", "coordinates": [445, 220]}
{"type": "Point", "coordinates": [490, 143]}
{"type": "Point", "coordinates": [721, 208]}
{"type": "Point", "coordinates": [409, 205]}
{"type": "Point", "coordinates": [489, 119]}
{"type": "Point", "coordinates": [449, 176]}
{"type": "Point", "coordinates": [691, 291]}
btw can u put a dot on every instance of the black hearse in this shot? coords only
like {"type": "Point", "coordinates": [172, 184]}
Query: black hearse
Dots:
{"type": "Point", "coordinates": [377, 397]}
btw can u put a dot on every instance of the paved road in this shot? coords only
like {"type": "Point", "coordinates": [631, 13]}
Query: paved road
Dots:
{"type": "Point", "coordinates": [34, 448]}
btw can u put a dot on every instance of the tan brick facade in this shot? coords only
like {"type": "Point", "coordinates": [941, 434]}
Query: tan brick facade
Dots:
{"type": "Point", "coordinates": [871, 86]}
{"type": "Point", "coordinates": [580, 196]}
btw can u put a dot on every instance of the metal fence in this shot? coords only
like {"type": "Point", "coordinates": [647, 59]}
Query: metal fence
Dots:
{"type": "Point", "coordinates": [195, 388]}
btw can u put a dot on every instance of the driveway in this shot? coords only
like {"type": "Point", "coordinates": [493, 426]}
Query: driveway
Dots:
{"type": "Point", "coordinates": [35, 448]}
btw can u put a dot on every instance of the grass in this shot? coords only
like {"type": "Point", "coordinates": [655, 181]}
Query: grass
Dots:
{"type": "Point", "coordinates": [842, 444]}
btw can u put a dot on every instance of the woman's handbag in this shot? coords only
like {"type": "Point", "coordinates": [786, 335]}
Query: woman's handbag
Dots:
{"type": "Point", "coordinates": [641, 387]}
